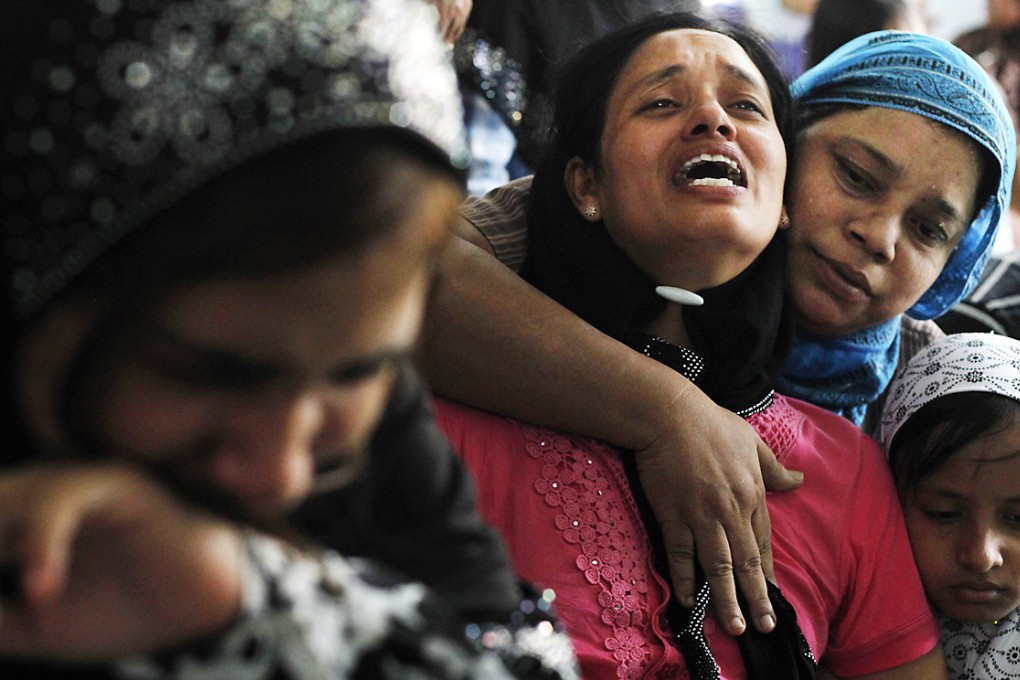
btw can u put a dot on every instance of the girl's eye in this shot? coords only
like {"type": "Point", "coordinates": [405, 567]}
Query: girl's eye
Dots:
{"type": "Point", "coordinates": [941, 516]}
{"type": "Point", "coordinates": [204, 369]}
{"type": "Point", "coordinates": [354, 374]}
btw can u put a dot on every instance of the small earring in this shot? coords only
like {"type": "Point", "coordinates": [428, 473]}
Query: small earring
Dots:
{"type": "Point", "coordinates": [784, 219]}
{"type": "Point", "coordinates": [591, 210]}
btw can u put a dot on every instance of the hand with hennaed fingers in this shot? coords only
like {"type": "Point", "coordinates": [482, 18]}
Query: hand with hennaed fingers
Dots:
{"type": "Point", "coordinates": [711, 508]}
{"type": "Point", "coordinates": [106, 563]}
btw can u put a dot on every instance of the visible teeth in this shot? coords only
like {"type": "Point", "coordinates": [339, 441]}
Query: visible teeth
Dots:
{"type": "Point", "coordinates": [711, 182]}
{"type": "Point", "coordinates": [733, 175]}
{"type": "Point", "coordinates": [709, 158]}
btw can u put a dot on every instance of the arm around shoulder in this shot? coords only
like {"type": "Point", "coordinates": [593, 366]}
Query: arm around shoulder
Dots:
{"type": "Point", "coordinates": [493, 341]}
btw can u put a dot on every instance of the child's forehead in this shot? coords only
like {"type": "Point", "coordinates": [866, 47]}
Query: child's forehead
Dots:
{"type": "Point", "coordinates": [989, 467]}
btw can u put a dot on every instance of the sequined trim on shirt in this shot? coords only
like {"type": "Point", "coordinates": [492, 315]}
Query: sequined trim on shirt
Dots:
{"type": "Point", "coordinates": [599, 520]}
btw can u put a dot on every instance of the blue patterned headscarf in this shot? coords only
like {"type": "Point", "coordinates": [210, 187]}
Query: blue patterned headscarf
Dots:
{"type": "Point", "coordinates": [935, 79]}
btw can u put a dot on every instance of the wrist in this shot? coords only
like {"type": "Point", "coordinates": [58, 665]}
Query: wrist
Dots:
{"type": "Point", "coordinates": [651, 403]}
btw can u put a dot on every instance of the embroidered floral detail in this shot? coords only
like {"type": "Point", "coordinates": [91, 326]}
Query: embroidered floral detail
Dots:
{"type": "Point", "coordinates": [627, 647]}
{"type": "Point", "coordinates": [605, 527]}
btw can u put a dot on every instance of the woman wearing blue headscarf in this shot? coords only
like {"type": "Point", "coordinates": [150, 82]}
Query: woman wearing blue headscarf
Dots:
{"type": "Point", "coordinates": [875, 241]}
{"type": "Point", "coordinates": [906, 99]}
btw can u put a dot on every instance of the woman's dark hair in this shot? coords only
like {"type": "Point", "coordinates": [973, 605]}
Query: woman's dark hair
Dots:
{"type": "Point", "coordinates": [941, 428]}
{"type": "Point", "coordinates": [836, 22]}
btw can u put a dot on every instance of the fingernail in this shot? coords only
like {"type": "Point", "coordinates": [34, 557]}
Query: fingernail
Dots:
{"type": "Point", "coordinates": [768, 622]}
{"type": "Point", "coordinates": [687, 601]}
{"type": "Point", "coordinates": [737, 624]}
{"type": "Point", "coordinates": [799, 476]}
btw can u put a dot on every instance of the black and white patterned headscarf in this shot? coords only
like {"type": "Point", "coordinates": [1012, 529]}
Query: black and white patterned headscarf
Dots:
{"type": "Point", "coordinates": [965, 362]}
{"type": "Point", "coordinates": [113, 110]}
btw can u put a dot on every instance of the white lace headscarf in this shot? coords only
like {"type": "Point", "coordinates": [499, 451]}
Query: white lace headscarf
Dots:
{"type": "Point", "coordinates": [964, 362]}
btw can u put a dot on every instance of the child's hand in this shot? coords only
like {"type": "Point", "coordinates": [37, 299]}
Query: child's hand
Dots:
{"type": "Point", "coordinates": [103, 563]}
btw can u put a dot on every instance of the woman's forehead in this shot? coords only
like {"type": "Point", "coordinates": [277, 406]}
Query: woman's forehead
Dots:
{"type": "Point", "coordinates": [692, 43]}
{"type": "Point", "coordinates": [687, 52]}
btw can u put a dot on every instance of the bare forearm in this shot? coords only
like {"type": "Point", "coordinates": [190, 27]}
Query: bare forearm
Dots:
{"type": "Point", "coordinates": [494, 342]}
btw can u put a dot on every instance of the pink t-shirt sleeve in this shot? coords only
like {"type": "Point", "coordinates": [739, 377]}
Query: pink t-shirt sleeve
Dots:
{"type": "Point", "coordinates": [874, 629]}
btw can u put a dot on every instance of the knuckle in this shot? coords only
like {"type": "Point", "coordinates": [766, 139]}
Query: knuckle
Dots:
{"type": "Point", "coordinates": [750, 566]}
{"type": "Point", "coordinates": [756, 497]}
{"type": "Point", "coordinates": [718, 570]}
{"type": "Point", "coordinates": [744, 502]}
{"type": "Point", "coordinates": [680, 553]}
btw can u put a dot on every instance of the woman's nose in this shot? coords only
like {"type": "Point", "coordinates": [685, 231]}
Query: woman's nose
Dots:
{"type": "Point", "coordinates": [266, 457]}
{"type": "Point", "coordinates": [877, 234]}
{"type": "Point", "coordinates": [981, 552]}
{"type": "Point", "coordinates": [709, 120]}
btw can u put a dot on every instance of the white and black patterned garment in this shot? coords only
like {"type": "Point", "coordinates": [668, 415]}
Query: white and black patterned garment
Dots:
{"type": "Point", "coordinates": [982, 651]}
{"type": "Point", "coordinates": [327, 617]}
{"type": "Point", "coordinates": [995, 303]}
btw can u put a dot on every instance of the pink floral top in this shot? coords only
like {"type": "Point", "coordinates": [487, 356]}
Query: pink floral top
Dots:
{"type": "Point", "coordinates": [842, 559]}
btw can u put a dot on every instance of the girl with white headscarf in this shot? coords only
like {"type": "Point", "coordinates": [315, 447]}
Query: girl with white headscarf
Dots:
{"type": "Point", "coordinates": [951, 428]}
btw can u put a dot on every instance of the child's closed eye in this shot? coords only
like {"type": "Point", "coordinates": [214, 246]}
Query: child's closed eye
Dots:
{"type": "Point", "coordinates": [941, 515]}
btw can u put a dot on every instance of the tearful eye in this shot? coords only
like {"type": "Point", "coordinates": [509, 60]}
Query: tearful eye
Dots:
{"type": "Point", "coordinates": [933, 232]}
{"type": "Point", "coordinates": [661, 104]}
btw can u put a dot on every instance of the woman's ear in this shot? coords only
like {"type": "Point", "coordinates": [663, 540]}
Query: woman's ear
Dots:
{"type": "Point", "coordinates": [582, 187]}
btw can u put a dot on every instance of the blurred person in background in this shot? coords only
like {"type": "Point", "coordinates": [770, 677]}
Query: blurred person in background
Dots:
{"type": "Point", "coordinates": [507, 60]}
{"type": "Point", "coordinates": [996, 46]}
{"type": "Point", "coordinates": [836, 22]}
{"type": "Point", "coordinates": [995, 303]}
